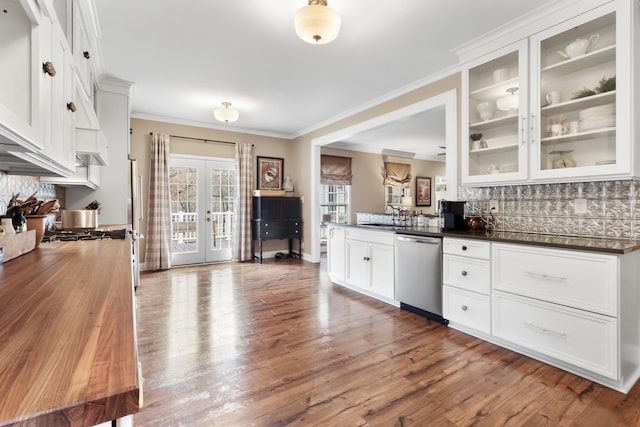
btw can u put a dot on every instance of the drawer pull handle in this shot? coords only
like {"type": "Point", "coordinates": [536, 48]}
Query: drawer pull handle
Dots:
{"type": "Point", "coordinates": [464, 248]}
{"type": "Point", "coordinates": [546, 276]}
{"type": "Point", "coordinates": [543, 329]}
{"type": "Point", "coordinates": [464, 273]}
{"type": "Point", "coordinates": [464, 308]}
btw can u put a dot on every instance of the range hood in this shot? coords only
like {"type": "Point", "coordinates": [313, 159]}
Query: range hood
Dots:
{"type": "Point", "coordinates": [92, 147]}
{"type": "Point", "coordinates": [91, 144]}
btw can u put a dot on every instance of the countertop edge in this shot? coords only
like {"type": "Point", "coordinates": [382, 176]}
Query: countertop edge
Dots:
{"type": "Point", "coordinates": [601, 245]}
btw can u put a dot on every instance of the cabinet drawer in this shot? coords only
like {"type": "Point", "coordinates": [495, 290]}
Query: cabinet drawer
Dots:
{"type": "Point", "coordinates": [584, 339]}
{"type": "Point", "coordinates": [582, 280]}
{"type": "Point", "coordinates": [467, 273]}
{"type": "Point", "coordinates": [467, 308]}
{"type": "Point", "coordinates": [467, 247]}
{"type": "Point", "coordinates": [382, 237]}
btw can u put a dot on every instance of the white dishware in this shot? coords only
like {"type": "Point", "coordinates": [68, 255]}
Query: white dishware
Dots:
{"type": "Point", "coordinates": [573, 126]}
{"type": "Point", "coordinates": [580, 47]}
{"type": "Point", "coordinates": [558, 129]}
{"type": "Point", "coordinates": [500, 75]}
{"type": "Point", "coordinates": [553, 97]}
{"type": "Point", "coordinates": [486, 110]}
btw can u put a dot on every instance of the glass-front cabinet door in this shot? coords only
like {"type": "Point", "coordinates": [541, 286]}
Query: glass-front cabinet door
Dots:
{"type": "Point", "coordinates": [576, 89]}
{"type": "Point", "coordinates": [494, 140]}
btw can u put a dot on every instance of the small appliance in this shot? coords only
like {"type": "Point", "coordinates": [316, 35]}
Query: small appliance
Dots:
{"type": "Point", "coordinates": [452, 214]}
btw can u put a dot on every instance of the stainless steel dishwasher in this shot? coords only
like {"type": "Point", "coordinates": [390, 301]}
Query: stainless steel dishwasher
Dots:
{"type": "Point", "coordinates": [418, 274]}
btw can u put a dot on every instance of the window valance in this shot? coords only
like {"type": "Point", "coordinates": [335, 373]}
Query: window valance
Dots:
{"type": "Point", "coordinates": [335, 170]}
{"type": "Point", "coordinates": [397, 175]}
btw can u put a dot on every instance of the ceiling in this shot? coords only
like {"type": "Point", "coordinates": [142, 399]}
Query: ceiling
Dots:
{"type": "Point", "coordinates": [187, 57]}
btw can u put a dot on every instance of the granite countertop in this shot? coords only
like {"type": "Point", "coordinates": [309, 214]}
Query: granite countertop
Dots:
{"type": "Point", "coordinates": [594, 244]}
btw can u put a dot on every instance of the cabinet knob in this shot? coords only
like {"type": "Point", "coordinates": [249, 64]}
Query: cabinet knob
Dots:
{"type": "Point", "coordinates": [266, 233]}
{"type": "Point", "coordinates": [464, 248]}
{"type": "Point", "coordinates": [366, 258]}
{"type": "Point", "coordinates": [71, 107]}
{"type": "Point", "coordinates": [464, 308]}
{"type": "Point", "coordinates": [464, 273]}
{"type": "Point", "coordinates": [86, 54]}
{"type": "Point", "coordinates": [49, 69]}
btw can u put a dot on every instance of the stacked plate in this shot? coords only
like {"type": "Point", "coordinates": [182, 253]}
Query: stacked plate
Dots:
{"type": "Point", "coordinates": [602, 116]}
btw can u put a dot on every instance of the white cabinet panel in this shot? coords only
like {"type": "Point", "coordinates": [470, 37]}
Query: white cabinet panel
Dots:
{"type": "Point", "coordinates": [357, 273]}
{"type": "Point", "coordinates": [469, 309]}
{"type": "Point", "coordinates": [467, 247]}
{"type": "Point", "coordinates": [467, 273]}
{"type": "Point", "coordinates": [578, 279]}
{"type": "Point", "coordinates": [20, 83]}
{"type": "Point", "coordinates": [584, 339]}
{"type": "Point", "coordinates": [336, 253]}
{"type": "Point", "coordinates": [381, 270]}
{"type": "Point", "coordinates": [369, 262]}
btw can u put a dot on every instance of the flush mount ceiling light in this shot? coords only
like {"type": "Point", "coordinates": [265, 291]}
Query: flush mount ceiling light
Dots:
{"type": "Point", "coordinates": [226, 114]}
{"type": "Point", "coordinates": [509, 102]}
{"type": "Point", "coordinates": [317, 23]}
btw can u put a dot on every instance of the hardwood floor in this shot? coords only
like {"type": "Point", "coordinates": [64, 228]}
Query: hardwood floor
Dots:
{"type": "Point", "coordinates": [243, 344]}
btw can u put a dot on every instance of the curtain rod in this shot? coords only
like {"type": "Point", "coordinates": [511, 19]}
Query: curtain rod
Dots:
{"type": "Point", "coordinates": [201, 139]}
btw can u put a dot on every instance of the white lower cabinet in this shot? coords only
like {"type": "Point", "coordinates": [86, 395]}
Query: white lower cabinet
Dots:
{"type": "Point", "coordinates": [466, 278]}
{"type": "Point", "coordinates": [336, 253]}
{"type": "Point", "coordinates": [577, 310]}
{"type": "Point", "coordinates": [581, 338]}
{"type": "Point", "coordinates": [369, 263]}
{"type": "Point", "coordinates": [469, 309]}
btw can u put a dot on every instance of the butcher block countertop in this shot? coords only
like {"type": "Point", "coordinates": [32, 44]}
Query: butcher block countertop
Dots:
{"type": "Point", "coordinates": [68, 352]}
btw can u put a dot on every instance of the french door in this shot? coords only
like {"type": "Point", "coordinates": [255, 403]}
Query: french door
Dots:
{"type": "Point", "coordinates": [202, 205]}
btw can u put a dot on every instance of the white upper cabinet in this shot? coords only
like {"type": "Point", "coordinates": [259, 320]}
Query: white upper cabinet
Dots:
{"type": "Point", "coordinates": [570, 115]}
{"type": "Point", "coordinates": [496, 140]}
{"type": "Point", "coordinates": [21, 68]}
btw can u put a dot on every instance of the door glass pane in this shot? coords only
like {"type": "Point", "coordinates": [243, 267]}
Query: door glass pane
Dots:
{"type": "Point", "coordinates": [222, 205]}
{"type": "Point", "coordinates": [183, 187]}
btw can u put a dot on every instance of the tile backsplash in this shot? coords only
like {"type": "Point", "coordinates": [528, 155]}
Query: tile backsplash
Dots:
{"type": "Point", "coordinates": [613, 208]}
{"type": "Point", "coordinates": [25, 186]}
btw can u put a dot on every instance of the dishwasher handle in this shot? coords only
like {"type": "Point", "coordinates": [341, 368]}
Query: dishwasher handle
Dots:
{"type": "Point", "coordinates": [430, 241]}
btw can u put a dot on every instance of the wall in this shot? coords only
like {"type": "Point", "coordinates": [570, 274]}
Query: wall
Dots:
{"type": "Point", "coordinates": [367, 191]}
{"type": "Point", "coordinates": [263, 146]}
{"type": "Point", "coordinates": [613, 208]}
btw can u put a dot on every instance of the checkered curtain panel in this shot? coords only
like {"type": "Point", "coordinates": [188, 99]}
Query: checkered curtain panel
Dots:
{"type": "Point", "coordinates": [158, 238]}
{"type": "Point", "coordinates": [243, 184]}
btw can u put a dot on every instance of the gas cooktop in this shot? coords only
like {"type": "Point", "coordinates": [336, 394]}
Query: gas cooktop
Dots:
{"type": "Point", "coordinates": [75, 235]}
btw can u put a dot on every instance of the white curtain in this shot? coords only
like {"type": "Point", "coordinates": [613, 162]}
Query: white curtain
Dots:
{"type": "Point", "coordinates": [244, 192]}
{"type": "Point", "coordinates": [158, 238]}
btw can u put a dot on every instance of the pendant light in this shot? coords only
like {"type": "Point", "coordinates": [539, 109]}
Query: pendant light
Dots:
{"type": "Point", "coordinates": [317, 23]}
{"type": "Point", "coordinates": [226, 114]}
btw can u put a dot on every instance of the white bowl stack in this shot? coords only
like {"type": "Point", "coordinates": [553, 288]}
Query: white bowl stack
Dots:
{"type": "Point", "coordinates": [600, 117]}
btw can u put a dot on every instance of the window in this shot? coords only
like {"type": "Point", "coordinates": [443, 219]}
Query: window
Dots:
{"type": "Point", "coordinates": [393, 196]}
{"type": "Point", "coordinates": [334, 200]}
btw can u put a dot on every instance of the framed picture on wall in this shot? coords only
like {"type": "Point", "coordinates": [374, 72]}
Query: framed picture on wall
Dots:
{"type": "Point", "coordinates": [423, 191]}
{"type": "Point", "coordinates": [270, 170]}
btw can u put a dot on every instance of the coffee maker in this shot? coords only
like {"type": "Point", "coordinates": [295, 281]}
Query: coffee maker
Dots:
{"type": "Point", "coordinates": [451, 215]}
